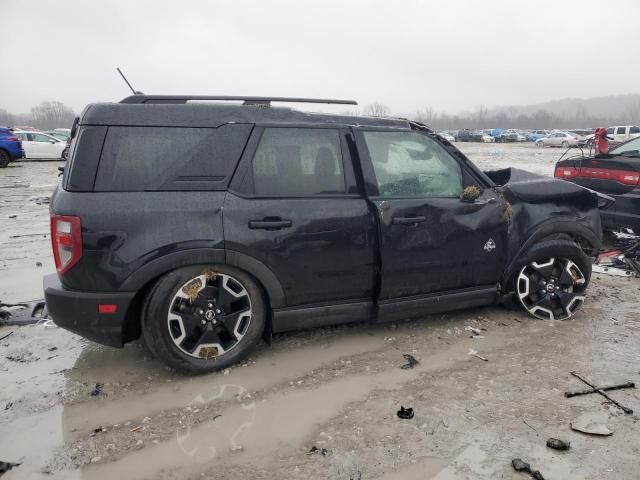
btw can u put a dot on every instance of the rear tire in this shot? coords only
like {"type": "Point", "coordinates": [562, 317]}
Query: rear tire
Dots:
{"type": "Point", "coordinates": [565, 144]}
{"type": "Point", "coordinates": [203, 318]}
{"type": "Point", "coordinates": [5, 159]}
{"type": "Point", "coordinates": [551, 280]}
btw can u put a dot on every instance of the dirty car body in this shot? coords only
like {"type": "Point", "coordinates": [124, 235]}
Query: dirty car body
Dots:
{"type": "Point", "coordinates": [256, 219]}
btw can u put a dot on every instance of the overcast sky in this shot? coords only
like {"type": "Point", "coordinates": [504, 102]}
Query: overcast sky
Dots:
{"type": "Point", "coordinates": [452, 55]}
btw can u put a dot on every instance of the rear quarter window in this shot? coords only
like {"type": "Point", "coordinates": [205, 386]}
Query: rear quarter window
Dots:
{"type": "Point", "coordinates": [170, 158]}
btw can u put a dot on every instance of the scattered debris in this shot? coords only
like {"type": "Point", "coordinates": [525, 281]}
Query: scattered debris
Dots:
{"type": "Point", "coordinates": [411, 361]}
{"type": "Point", "coordinates": [13, 216]}
{"type": "Point", "coordinates": [41, 200]}
{"type": "Point", "coordinates": [474, 353]}
{"type": "Point", "coordinates": [356, 476]}
{"type": "Point", "coordinates": [6, 336]}
{"type": "Point", "coordinates": [216, 416]}
{"type": "Point", "coordinates": [405, 413]}
{"type": "Point", "coordinates": [97, 390]}
{"type": "Point", "coordinates": [135, 429]}
{"type": "Point", "coordinates": [318, 451]}
{"type": "Point", "coordinates": [520, 466]}
{"type": "Point", "coordinates": [558, 444]}
{"type": "Point", "coordinates": [599, 390]}
{"type": "Point", "coordinates": [38, 264]}
{"type": "Point", "coordinates": [97, 430]}
{"type": "Point", "coordinates": [25, 313]}
{"type": "Point", "coordinates": [591, 428]}
{"type": "Point", "coordinates": [527, 424]}
{"type": "Point", "coordinates": [474, 330]}
{"type": "Point", "coordinates": [6, 466]}
{"type": "Point", "coordinates": [52, 349]}
{"type": "Point", "coordinates": [237, 448]}
{"type": "Point", "coordinates": [604, 389]}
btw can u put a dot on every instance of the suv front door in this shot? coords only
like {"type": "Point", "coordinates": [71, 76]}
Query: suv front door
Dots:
{"type": "Point", "coordinates": [294, 206]}
{"type": "Point", "coordinates": [431, 241]}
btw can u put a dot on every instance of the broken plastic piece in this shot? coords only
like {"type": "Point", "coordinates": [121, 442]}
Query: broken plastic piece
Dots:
{"type": "Point", "coordinates": [25, 313]}
{"type": "Point", "coordinates": [97, 390]}
{"type": "Point", "coordinates": [405, 413]}
{"type": "Point", "coordinates": [520, 466]}
{"type": "Point", "coordinates": [591, 428]}
{"type": "Point", "coordinates": [558, 444]}
{"type": "Point", "coordinates": [411, 361]}
{"type": "Point", "coordinates": [318, 451]}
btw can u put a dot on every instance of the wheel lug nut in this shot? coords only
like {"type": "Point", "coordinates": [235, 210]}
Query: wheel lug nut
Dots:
{"type": "Point", "coordinates": [218, 310]}
{"type": "Point", "coordinates": [215, 322]}
{"type": "Point", "coordinates": [201, 312]}
{"type": "Point", "coordinates": [209, 305]}
{"type": "Point", "coordinates": [204, 322]}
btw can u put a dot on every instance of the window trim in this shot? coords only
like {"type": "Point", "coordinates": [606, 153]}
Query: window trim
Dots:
{"type": "Point", "coordinates": [370, 179]}
{"type": "Point", "coordinates": [246, 160]}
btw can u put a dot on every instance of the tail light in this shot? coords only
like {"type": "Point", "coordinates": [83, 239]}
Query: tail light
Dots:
{"type": "Point", "coordinates": [66, 239]}
{"type": "Point", "coordinates": [566, 172]}
{"type": "Point", "coordinates": [625, 177]}
{"type": "Point", "coordinates": [12, 138]}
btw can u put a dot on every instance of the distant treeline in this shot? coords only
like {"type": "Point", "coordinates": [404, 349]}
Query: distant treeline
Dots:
{"type": "Point", "coordinates": [46, 115]}
{"type": "Point", "coordinates": [515, 117]}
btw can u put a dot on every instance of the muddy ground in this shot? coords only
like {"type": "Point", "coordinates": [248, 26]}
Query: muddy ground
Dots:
{"type": "Point", "coordinates": [337, 389]}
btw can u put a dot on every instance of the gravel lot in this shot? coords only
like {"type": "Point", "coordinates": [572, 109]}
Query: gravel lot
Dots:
{"type": "Point", "coordinates": [333, 388]}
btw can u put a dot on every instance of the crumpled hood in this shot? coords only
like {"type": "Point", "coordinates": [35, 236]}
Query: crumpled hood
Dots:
{"type": "Point", "coordinates": [516, 184]}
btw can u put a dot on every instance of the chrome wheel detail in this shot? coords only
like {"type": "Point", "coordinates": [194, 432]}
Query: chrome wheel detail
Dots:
{"type": "Point", "coordinates": [209, 315]}
{"type": "Point", "coordinates": [551, 289]}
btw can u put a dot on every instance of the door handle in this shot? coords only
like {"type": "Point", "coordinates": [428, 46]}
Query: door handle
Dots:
{"type": "Point", "coordinates": [408, 220]}
{"type": "Point", "coordinates": [269, 223]}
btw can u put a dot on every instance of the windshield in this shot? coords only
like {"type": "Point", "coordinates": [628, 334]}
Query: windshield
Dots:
{"type": "Point", "coordinates": [632, 146]}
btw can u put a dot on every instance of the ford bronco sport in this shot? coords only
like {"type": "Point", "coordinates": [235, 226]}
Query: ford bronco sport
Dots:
{"type": "Point", "coordinates": [203, 227]}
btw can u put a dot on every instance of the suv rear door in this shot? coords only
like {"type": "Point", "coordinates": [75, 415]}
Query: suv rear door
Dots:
{"type": "Point", "coordinates": [294, 206]}
{"type": "Point", "coordinates": [431, 242]}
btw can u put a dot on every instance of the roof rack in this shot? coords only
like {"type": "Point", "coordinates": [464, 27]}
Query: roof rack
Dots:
{"type": "Point", "coordinates": [259, 101]}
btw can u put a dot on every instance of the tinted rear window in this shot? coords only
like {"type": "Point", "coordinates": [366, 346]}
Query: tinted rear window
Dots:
{"type": "Point", "coordinates": [168, 158]}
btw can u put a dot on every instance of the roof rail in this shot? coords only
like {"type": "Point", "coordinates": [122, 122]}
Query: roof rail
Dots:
{"type": "Point", "coordinates": [260, 101]}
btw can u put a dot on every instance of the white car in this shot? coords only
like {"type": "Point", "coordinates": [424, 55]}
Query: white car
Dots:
{"type": "Point", "coordinates": [447, 136]}
{"type": "Point", "coordinates": [561, 139]}
{"type": "Point", "coordinates": [487, 138]}
{"type": "Point", "coordinates": [619, 134]}
{"type": "Point", "coordinates": [40, 145]}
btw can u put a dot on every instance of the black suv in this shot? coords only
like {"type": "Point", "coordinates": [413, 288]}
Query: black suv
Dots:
{"type": "Point", "coordinates": [204, 227]}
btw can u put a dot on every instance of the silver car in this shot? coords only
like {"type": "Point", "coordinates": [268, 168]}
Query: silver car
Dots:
{"type": "Point", "coordinates": [561, 139]}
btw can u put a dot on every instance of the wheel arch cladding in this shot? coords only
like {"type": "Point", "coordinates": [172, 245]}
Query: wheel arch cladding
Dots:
{"type": "Point", "coordinates": [143, 280]}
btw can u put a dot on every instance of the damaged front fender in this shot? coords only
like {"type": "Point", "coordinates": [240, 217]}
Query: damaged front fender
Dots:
{"type": "Point", "coordinates": [543, 208]}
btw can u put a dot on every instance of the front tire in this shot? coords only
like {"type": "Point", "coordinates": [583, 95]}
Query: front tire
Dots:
{"type": "Point", "coordinates": [552, 279]}
{"type": "Point", "coordinates": [203, 318]}
{"type": "Point", "coordinates": [565, 144]}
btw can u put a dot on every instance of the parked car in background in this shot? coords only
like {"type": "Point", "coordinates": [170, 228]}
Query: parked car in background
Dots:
{"type": "Point", "coordinates": [486, 138]}
{"type": "Point", "coordinates": [536, 134]}
{"type": "Point", "coordinates": [616, 174]}
{"type": "Point", "coordinates": [41, 145]}
{"type": "Point", "coordinates": [618, 134]}
{"type": "Point", "coordinates": [203, 228]}
{"type": "Point", "coordinates": [511, 135]}
{"type": "Point", "coordinates": [469, 135]}
{"type": "Point", "coordinates": [561, 139]}
{"type": "Point", "coordinates": [63, 136]}
{"type": "Point", "coordinates": [447, 136]}
{"type": "Point", "coordinates": [10, 147]}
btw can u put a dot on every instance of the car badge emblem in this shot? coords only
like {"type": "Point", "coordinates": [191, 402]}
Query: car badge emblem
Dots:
{"type": "Point", "coordinates": [490, 246]}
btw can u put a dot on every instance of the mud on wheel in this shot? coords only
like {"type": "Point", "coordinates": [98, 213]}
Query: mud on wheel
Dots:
{"type": "Point", "coordinates": [199, 319]}
{"type": "Point", "coordinates": [551, 288]}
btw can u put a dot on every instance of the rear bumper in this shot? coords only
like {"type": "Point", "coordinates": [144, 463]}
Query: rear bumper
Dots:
{"type": "Point", "coordinates": [77, 311]}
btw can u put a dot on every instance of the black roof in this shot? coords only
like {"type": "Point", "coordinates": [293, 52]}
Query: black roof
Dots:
{"type": "Point", "coordinates": [216, 114]}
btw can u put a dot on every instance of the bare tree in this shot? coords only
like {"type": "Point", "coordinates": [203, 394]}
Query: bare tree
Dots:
{"type": "Point", "coordinates": [6, 118]}
{"type": "Point", "coordinates": [427, 115]}
{"type": "Point", "coordinates": [376, 109]}
{"type": "Point", "coordinates": [52, 115]}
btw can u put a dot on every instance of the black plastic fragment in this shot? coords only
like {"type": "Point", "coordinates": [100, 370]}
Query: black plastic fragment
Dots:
{"type": "Point", "coordinates": [558, 444]}
{"type": "Point", "coordinates": [6, 466]}
{"type": "Point", "coordinates": [97, 390]}
{"type": "Point", "coordinates": [520, 466]}
{"type": "Point", "coordinates": [411, 361]}
{"type": "Point", "coordinates": [405, 413]}
{"type": "Point", "coordinates": [25, 313]}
